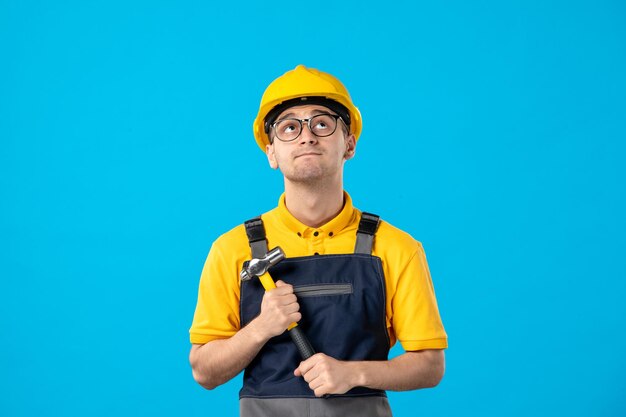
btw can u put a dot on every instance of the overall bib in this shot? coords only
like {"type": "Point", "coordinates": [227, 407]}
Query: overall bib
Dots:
{"type": "Point", "coordinates": [342, 301]}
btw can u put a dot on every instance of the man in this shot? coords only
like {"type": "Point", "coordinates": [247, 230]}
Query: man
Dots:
{"type": "Point", "coordinates": [353, 283]}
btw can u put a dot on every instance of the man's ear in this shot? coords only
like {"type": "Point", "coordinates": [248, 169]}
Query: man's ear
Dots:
{"type": "Point", "coordinates": [271, 157]}
{"type": "Point", "coordinates": [350, 147]}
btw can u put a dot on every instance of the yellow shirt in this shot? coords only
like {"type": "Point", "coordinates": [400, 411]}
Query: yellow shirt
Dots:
{"type": "Point", "coordinates": [411, 308]}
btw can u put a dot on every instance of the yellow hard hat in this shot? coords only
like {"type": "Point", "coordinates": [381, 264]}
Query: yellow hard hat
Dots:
{"type": "Point", "coordinates": [301, 86]}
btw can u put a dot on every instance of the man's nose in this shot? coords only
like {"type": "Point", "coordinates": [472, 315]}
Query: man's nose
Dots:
{"type": "Point", "coordinates": [306, 136]}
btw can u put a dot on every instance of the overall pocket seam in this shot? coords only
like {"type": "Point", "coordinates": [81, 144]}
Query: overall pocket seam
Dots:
{"type": "Point", "coordinates": [318, 290]}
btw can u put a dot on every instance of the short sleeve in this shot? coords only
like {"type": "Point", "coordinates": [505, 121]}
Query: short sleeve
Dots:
{"type": "Point", "coordinates": [416, 320]}
{"type": "Point", "coordinates": [217, 309]}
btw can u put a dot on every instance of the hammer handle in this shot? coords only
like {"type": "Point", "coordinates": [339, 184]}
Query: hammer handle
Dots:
{"type": "Point", "coordinates": [267, 281]}
{"type": "Point", "coordinates": [302, 343]}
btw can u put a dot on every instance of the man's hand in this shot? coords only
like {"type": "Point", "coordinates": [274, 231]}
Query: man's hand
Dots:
{"type": "Point", "coordinates": [279, 309]}
{"type": "Point", "coordinates": [326, 375]}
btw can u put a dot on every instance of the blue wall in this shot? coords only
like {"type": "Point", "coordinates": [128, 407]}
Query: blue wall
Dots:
{"type": "Point", "coordinates": [493, 132]}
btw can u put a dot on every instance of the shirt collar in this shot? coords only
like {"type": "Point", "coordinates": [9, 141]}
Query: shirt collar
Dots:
{"type": "Point", "coordinates": [334, 226]}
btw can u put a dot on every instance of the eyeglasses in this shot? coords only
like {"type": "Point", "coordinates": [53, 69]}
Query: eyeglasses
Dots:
{"type": "Point", "coordinates": [320, 125]}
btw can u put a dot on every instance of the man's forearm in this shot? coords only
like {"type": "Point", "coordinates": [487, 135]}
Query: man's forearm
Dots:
{"type": "Point", "coordinates": [219, 361]}
{"type": "Point", "coordinates": [409, 371]}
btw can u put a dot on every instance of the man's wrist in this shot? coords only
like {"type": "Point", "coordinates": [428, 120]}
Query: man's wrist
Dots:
{"type": "Point", "coordinates": [256, 332]}
{"type": "Point", "coordinates": [358, 373]}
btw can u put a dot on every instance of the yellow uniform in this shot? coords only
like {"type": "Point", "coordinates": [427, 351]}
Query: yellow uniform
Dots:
{"type": "Point", "coordinates": [412, 316]}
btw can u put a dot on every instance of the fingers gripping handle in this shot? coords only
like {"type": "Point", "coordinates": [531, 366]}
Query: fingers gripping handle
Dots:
{"type": "Point", "coordinates": [302, 343]}
{"type": "Point", "coordinates": [297, 335]}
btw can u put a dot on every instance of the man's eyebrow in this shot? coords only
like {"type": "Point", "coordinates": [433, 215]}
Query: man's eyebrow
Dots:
{"type": "Point", "coordinates": [317, 111]}
{"type": "Point", "coordinates": [313, 112]}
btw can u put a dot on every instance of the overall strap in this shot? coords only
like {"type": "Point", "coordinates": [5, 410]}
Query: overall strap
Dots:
{"type": "Point", "coordinates": [256, 237]}
{"type": "Point", "coordinates": [365, 234]}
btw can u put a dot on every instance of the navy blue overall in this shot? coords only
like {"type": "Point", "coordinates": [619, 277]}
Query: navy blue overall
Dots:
{"type": "Point", "coordinates": [342, 301]}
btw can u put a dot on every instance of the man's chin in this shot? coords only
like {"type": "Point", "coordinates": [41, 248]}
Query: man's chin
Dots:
{"type": "Point", "coordinates": [306, 176]}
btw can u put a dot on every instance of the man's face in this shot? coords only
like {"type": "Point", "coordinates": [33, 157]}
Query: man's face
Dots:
{"type": "Point", "coordinates": [310, 158]}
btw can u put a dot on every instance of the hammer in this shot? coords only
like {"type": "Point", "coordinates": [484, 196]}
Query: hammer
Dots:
{"type": "Point", "coordinates": [258, 268]}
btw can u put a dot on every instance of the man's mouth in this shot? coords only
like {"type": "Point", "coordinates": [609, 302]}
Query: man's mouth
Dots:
{"type": "Point", "coordinates": [307, 154]}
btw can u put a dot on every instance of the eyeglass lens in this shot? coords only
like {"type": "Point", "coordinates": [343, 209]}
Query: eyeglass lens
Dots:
{"type": "Point", "coordinates": [320, 125]}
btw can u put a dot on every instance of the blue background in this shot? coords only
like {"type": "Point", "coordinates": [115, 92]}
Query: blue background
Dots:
{"type": "Point", "coordinates": [493, 132]}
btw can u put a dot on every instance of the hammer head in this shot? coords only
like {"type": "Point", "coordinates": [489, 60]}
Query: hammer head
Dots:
{"type": "Point", "coordinates": [258, 267]}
